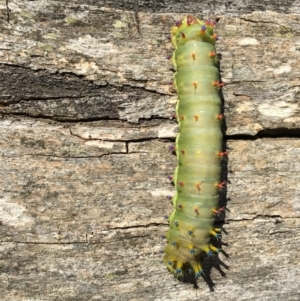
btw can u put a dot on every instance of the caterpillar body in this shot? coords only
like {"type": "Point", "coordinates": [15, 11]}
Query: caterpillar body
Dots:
{"type": "Point", "coordinates": [198, 146]}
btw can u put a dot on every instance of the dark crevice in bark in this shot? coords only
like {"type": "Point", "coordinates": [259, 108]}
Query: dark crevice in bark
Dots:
{"type": "Point", "coordinates": [7, 12]}
{"type": "Point", "coordinates": [277, 218]}
{"type": "Point", "coordinates": [154, 117]}
{"type": "Point", "coordinates": [86, 241]}
{"type": "Point", "coordinates": [268, 133]}
{"type": "Point", "coordinates": [80, 76]}
{"type": "Point", "coordinates": [42, 243]}
{"type": "Point", "coordinates": [62, 119]}
{"type": "Point", "coordinates": [265, 22]}
{"type": "Point", "coordinates": [32, 98]}
{"type": "Point", "coordinates": [127, 141]}
{"type": "Point", "coordinates": [142, 88]}
{"type": "Point", "coordinates": [75, 157]}
{"type": "Point", "coordinates": [138, 226]}
{"type": "Point", "coordinates": [137, 20]}
{"type": "Point", "coordinates": [241, 94]}
{"type": "Point", "coordinates": [244, 81]}
{"type": "Point", "coordinates": [232, 8]}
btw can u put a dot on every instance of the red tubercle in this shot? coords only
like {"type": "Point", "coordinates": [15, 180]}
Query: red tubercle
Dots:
{"type": "Point", "coordinates": [215, 37]}
{"type": "Point", "coordinates": [196, 210]}
{"type": "Point", "coordinates": [181, 117]}
{"type": "Point", "coordinates": [197, 185]}
{"type": "Point", "coordinates": [195, 85]}
{"type": "Point", "coordinates": [222, 154]}
{"type": "Point", "coordinates": [191, 20]}
{"type": "Point", "coordinates": [181, 184]}
{"type": "Point", "coordinates": [182, 35]}
{"type": "Point", "coordinates": [221, 185]}
{"type": "Point", "coordinates": [220, 116]}
{"type": "Point", "coordinates": [218, 84]}
{"type": "Point", "coordinates": [210, 23]}
{"type": "Point", "coordinates": [196, 117]}
{"type": "Point", "coordinates": [182, 152]}
{"type": "Point", "coordinates": [219, 211]}
{"type": "Point", "coordinates": [193, 56]}
{"type": "Point", "coordinates": [212, 54]}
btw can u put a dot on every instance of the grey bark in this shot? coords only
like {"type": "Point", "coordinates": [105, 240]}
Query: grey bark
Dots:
{"type": "Point", "coordinates": [86, 121]}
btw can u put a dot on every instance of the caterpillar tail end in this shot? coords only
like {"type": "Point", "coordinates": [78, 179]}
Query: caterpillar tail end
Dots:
{"type": "Point", "coordinates": [180, 269]}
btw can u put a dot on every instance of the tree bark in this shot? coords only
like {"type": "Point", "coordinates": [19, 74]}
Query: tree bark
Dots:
{"type": "Point", "coordinates": [86, 121]}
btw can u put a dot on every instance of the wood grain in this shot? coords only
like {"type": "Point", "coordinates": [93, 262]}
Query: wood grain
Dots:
{"type": "Point", "coordinates": [86, 121]}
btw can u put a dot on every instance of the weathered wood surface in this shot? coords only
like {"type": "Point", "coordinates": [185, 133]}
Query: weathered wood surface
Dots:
{"type": "Point", "coordinates": [85, 130]}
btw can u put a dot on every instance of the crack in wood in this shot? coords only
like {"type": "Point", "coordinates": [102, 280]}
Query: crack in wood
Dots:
{"type": "Point", "coordinates": [276, 133]}
{"type": "Point", "coordinates": [137, 20]}
{"type": "Point", "coordinates": [73, 157]}
{"type": "Point", "coordinates": [137, 226]}
{"type": "Point", "coordinates": [7, 12]}
{"type": "Point", "coordinates": [277, 218]}
{"type": "Point", "coordinates": [63, 119]}
{"type": "Point", "coordinates": [266, 22]}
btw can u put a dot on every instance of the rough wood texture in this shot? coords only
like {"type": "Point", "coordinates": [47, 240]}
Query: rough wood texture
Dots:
{"type": "Point", "coordinates": [85, 127]}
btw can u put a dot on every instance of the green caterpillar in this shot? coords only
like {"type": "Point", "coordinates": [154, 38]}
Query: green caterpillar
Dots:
{"type": "Point", "coordinates": [198, 146]}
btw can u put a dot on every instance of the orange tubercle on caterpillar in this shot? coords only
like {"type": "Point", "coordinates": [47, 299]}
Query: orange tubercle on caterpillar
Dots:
{"type": "Point", "coordinates": [220, 116]}
{"type": "Point", "coordinates": [218, 211]}
{"type": "Point", "coordinates": [222, 154]}
{"type": "Point", "coordinates": [190, 20]}
{"type": "Point", "coordinates": [215, 37]}
{"type": "Point", "coordinates": [221, 185]}
{"type": "Point", "coordinates": [210, 23]}
{"type": "Point", "coordinates": [218, 84]}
